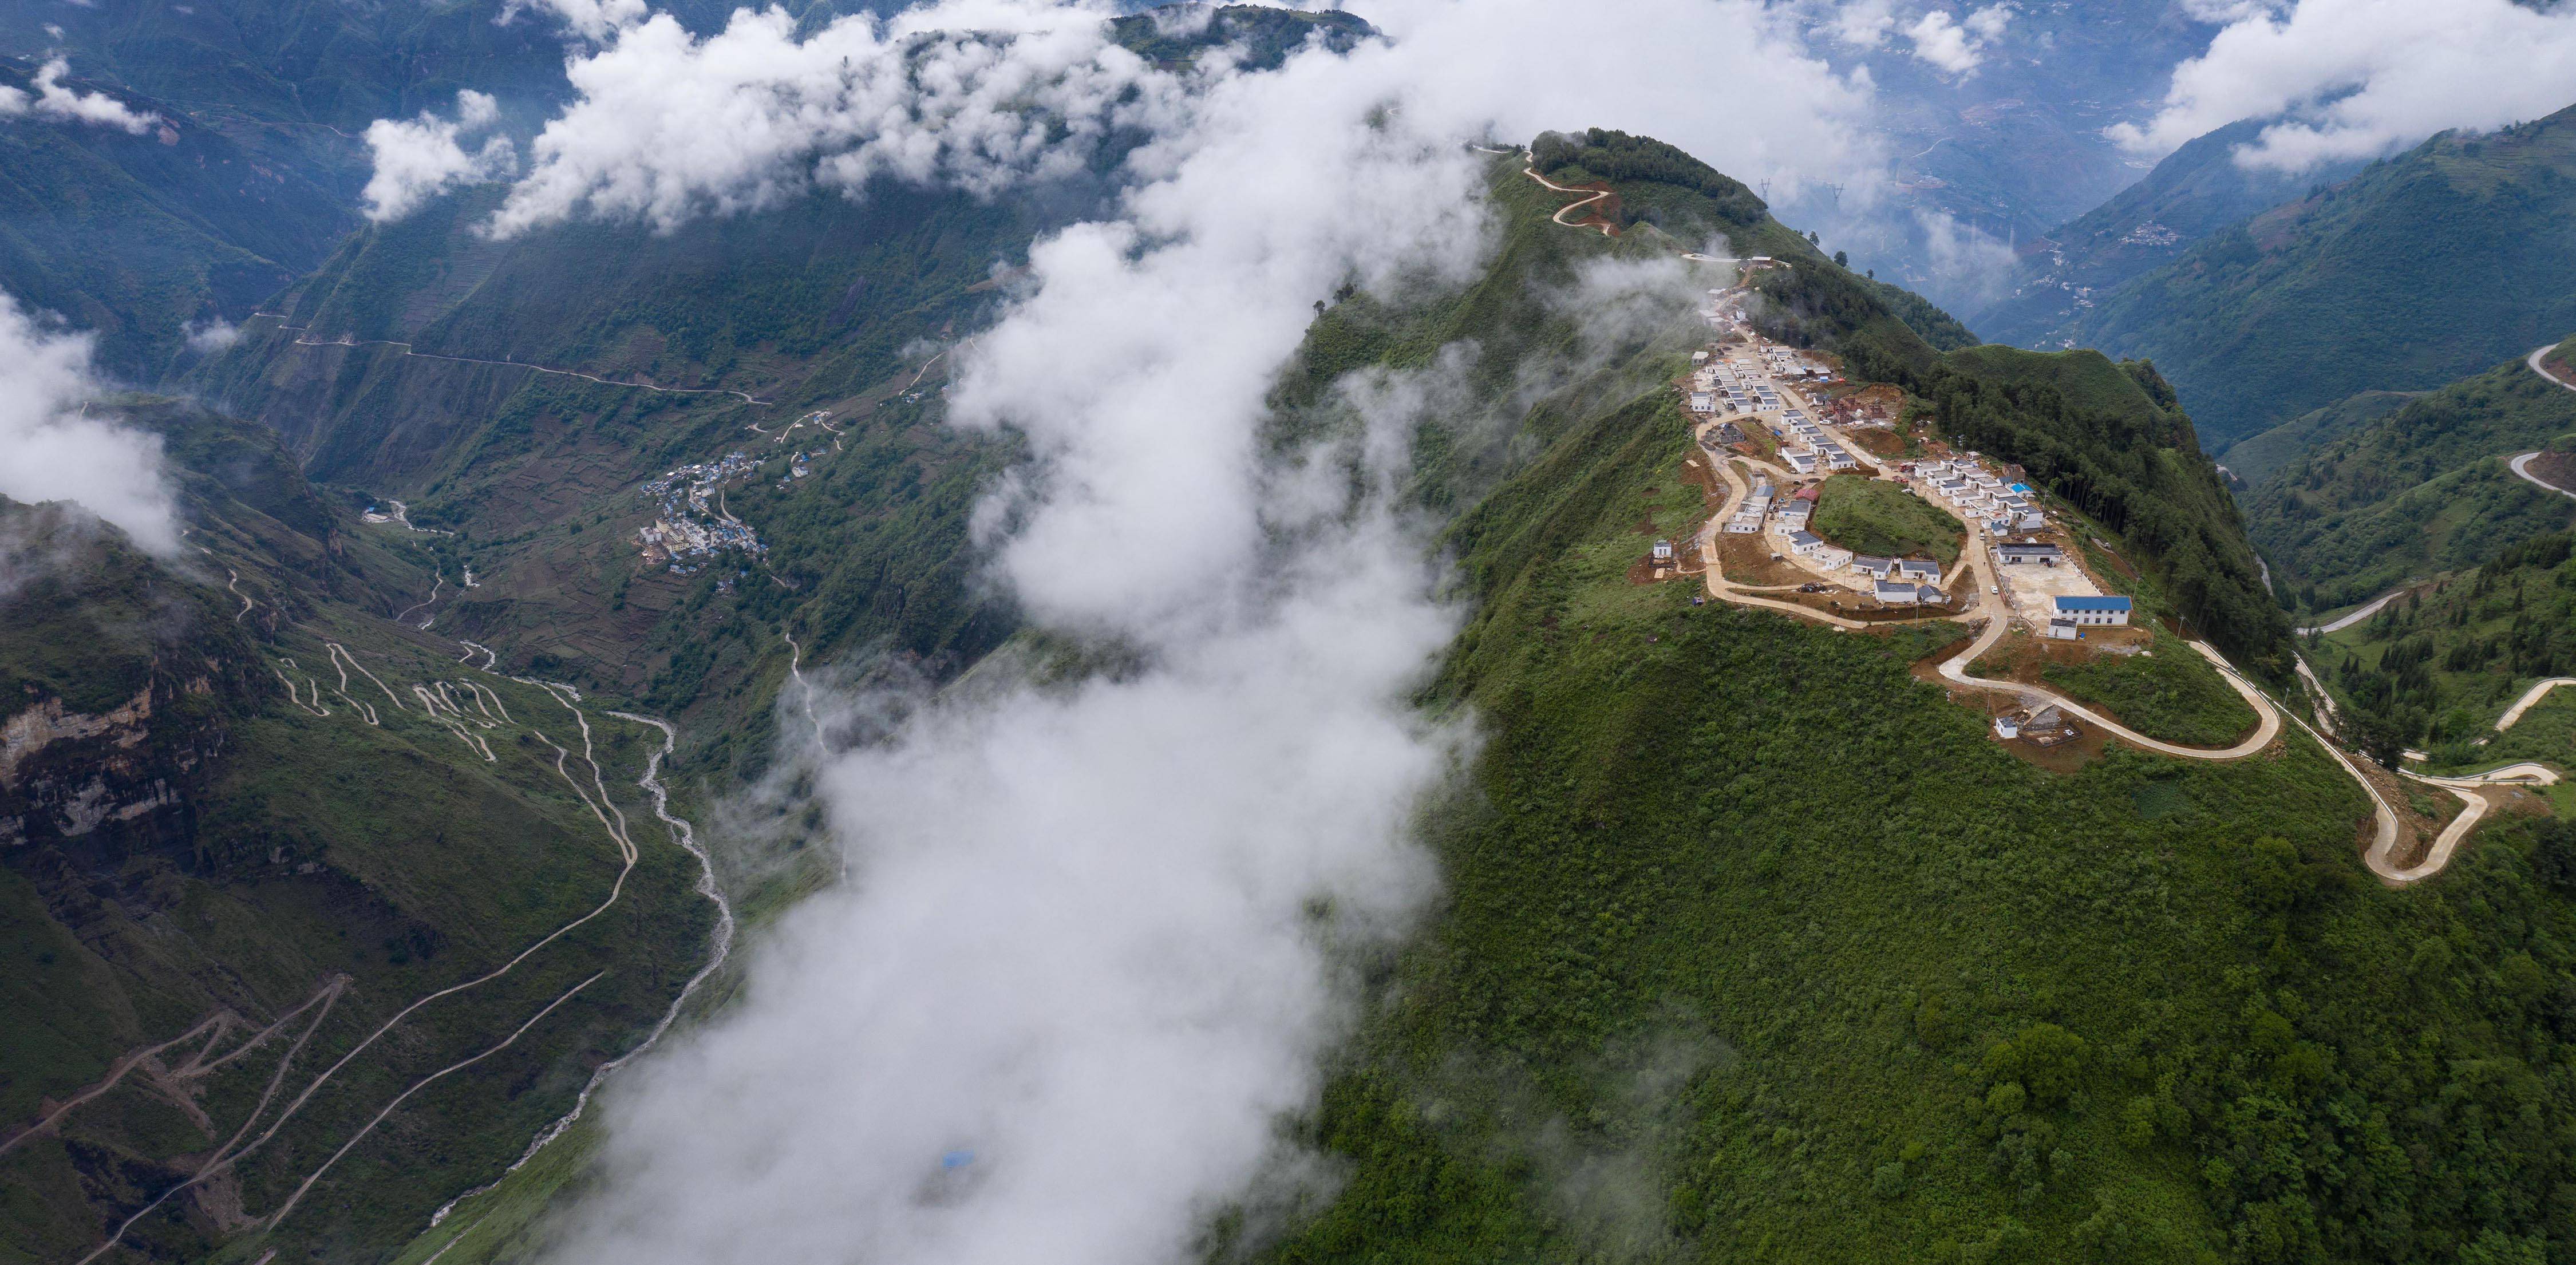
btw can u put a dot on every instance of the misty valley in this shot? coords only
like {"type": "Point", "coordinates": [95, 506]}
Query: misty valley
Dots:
{"type": "Point", "coordinates": [1428, 632]}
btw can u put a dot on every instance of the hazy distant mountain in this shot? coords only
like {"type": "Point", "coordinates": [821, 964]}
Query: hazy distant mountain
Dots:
{"type": "Point", "coordinates": [2196, 191]}
{"type": "Point", "coordinates": [2421, 269]}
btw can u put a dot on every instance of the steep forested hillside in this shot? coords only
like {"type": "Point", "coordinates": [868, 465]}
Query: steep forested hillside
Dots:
{"type": "Point", "coordinates": [1757, 949]}
{"type": "Point", "coordinates": [2423, 489]}
{"type": "Point", "coordinates": [137, 236]}
{"type": "Point", "coordinates": [2419, 270]}
{"type": "Point", "coordinates": [2437, 668]}
{"type": "Point", "coordinates": [2195, 191]}
{"type": "Point", "coordinates": [2253, 459]}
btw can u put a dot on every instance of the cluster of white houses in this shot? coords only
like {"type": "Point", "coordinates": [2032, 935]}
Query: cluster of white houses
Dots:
{"type": "Point", "coordinates": [1806, 446]}
{"type": "Point", "coordinates": [1979, 493]}
{"type": "Point", "coordinates": [1746, 383]}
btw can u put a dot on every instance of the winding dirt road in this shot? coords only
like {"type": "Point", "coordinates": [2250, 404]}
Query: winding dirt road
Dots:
{"type": "Point", "coordinates": [2360, 614]}
{"type": "Point", "coordinates": [346, 341]}
{"type": "Point", "coordinates": [2513, 715]}
{"type": "Point", "coordinates": [1590, 197]}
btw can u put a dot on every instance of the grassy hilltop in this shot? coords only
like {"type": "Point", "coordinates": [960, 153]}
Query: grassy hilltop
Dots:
{"type": "Point", "coordinates": [1757, 949]}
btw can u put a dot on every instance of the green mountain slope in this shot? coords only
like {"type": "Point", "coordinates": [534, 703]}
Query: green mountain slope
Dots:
{"type": "Point", "coordinates": [135, 237]}
{"type": "Point", "coordinates": [251, 823]}
{"type": "Point", "coordinates": [2195, 191]}
{"type": "Point", "coordinates": [1757, 949]}
{"type": "Point", "coordinates": [2438, 668]}
{"type": "Point", "coordinates": [2423, 489]}
{"type": "Point", "coordinates": [2253, 459]}
{"type": "Point", "coordinates": [2420, 270]}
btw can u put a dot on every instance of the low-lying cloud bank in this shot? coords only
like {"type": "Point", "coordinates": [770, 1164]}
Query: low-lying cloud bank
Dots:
{"type": "Point", "coordinates": [420, 158]}
{"type": "Point", "coordinates": [2360, 78]}
{"type": "Point", "coordinates": [51, 450]}
{"type": "Point", "coordinates": [51, 100]}
{"type": "Point", "coordinates": [1090, 950]}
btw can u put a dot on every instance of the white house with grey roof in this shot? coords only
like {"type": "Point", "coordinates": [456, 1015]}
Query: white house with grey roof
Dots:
{"type": "Point", "coordinates": [2091, 612]}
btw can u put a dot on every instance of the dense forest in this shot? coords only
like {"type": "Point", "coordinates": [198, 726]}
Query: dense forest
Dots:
{"type": "Point", "coordinates": [2435, 667]}
{"type": "Point", "coordinates": [1698, 995]}
{"type": "Point", "coordinates": [2113, 442]}
{"type": "Point", "coordinates": [2423, 489]}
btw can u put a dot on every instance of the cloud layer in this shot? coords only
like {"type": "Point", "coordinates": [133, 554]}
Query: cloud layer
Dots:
{"type": "Point", "coordinates": [1089, 952]}
{"type": "Point", "coordinates": [668, 126]}
{"type": "Point", "coordinates": [50, 450]}
{"type": "Point", "coordinates": [418, 159]}
{"type": "Point", "coordinates": [1955, 45]}
{"type": "Point", "coordinates": [51, 100]}
{"type": "Point", "coordinates": [2359, 78]}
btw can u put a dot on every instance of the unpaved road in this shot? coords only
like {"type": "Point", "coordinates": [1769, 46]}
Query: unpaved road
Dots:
{"type": "Point", "coordinates": [2365, 612]}
{"type": "Point", "coordinates": [1590, 196]}
{"type": "Point", "coordinates": [345, 341]}
{"type": "Point", "coordinates": [2513, 715]}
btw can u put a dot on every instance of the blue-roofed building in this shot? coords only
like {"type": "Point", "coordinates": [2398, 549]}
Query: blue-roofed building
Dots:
{"type": "Point", "coordinates": [2091, 612]}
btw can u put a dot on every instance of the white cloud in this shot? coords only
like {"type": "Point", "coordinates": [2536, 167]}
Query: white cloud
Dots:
{"type": "Point", "coordinates": [1954, 46]}
{"type": "Point", "coordinates": [668, 126]}
{"type": "Point", "coordinates": [1086, 958]}
{"type": "Point", "coordinates": [2358, 78]}
{"type": "Point", "coordinates": [211, 335]}
{"type": "Point", "coordinates": [2222, 12]}
{"type": "Point", "coordinates": [1966, 264]}
{"type": "Point", "coordinates": [1862, 23]}
{"type": "Point", "coordinates": [51, 450]}
{"type": "Point", "coordinates": [54, 101]}
{"type": "Point", "coordinates": [418, 159]}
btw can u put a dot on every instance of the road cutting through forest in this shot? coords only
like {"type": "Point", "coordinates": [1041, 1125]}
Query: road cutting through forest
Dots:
{"type": "Point", "coordinates": [1591, 196]}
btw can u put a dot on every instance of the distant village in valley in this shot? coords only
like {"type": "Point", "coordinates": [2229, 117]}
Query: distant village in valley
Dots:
{"type": "Point", "coordinates": [689, 532]}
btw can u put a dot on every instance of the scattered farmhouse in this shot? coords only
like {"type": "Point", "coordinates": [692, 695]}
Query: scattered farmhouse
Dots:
{"type": "Point", "coordinates": [2090, 611]}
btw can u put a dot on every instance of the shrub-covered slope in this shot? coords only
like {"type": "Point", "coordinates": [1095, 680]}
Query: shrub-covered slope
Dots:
{"type": "Point", "coordinates": [230, 841]}
{"type": "Point", "coordinates": [1758, 949]}
{"type": "Point", "coordinates": [2423, 489]}
{"type": "Point", "coordinates": [2415, 272]}
{"type": "Point", "coordinates": [2437, 668]}
{"type": "Point", "coordinates": [2252, 460]}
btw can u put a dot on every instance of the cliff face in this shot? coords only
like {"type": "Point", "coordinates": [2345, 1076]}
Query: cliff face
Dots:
{"type": "Point", "coordinates": [123, 686]}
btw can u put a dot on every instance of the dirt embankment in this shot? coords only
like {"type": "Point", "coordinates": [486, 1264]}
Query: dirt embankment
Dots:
{"type": "Point", "coordinates": [2556, 468]}
{"type": "Point", "coordinates": [2422, 811]}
